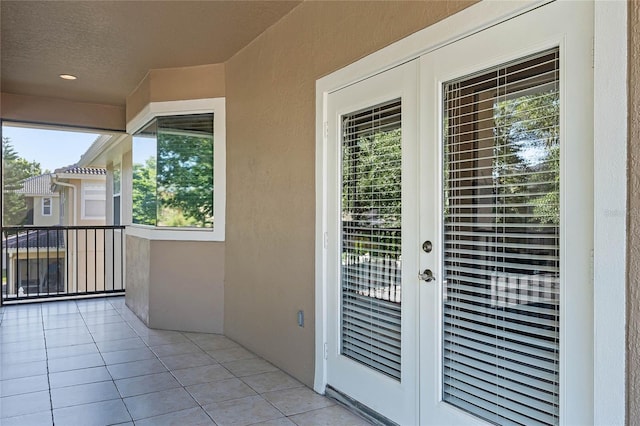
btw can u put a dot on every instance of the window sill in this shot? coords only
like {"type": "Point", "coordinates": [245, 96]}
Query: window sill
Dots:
{"type": "Point", "coordinates": [175, 234]}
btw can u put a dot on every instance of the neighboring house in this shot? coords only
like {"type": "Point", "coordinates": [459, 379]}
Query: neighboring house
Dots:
{"type": "Point", "coordinates": [41, 260]}
{"type": "Point", "coordinates": [82, 195]}
{"type": "Point", "coordinates": [34, 259]}
{"type": "Point", "coordinates": [82, 203]}
{"type": "Point", "coordinates": [43, 207]}
{"type": "Point", "coordinates": [35, 262]}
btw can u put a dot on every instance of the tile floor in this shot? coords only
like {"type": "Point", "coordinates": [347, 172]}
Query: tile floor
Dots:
{"type": "Point", "coordinates": [93, 362]}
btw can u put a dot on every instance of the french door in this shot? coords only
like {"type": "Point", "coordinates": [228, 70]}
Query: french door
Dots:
{"type": "Point", "coordinates": [460, 229]}
{"type": "Point", "coordinates": [372, 346]}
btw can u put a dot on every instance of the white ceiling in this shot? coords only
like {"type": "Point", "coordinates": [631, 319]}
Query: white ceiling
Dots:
{"type": "Point", "coordinates": [110, 45]}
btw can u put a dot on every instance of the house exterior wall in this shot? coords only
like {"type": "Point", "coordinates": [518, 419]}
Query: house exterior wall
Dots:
{"type": "Point", "coordinates": [85, 248]}
{"type": "Point", "coordinates": [39, 219]}
{"type": "Point", "coordinates": [633, 240]}
{"type": "Point", "coordinates": [271, 208]}
{"type": "Point", "coordinates": [187, 286]}
{"type": "Point", "coordinates": [80, 221]}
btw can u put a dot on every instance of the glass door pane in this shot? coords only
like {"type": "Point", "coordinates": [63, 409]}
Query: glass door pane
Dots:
{"type": "Point", "coordinates": [371, 237]}
{"type": "Point", "coordinates": [501, 317]}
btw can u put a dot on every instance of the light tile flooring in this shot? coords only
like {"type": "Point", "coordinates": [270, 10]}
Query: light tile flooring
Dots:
{"type": "Point", "coordinates": [93, 362]}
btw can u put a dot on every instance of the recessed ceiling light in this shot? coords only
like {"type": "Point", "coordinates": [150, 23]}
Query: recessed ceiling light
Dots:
{"type": "Point", "coordinates": [68, 77]}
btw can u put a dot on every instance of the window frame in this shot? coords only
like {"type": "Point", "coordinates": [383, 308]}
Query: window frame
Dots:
{"type": "Point", "coordinates": [116, 194]}
{"type": "Point", "coordinates": [84, 199]}
{"type": "Point", "coordinates": [215, 106]}
{"type": "Point", "coordinates": [50, 206]}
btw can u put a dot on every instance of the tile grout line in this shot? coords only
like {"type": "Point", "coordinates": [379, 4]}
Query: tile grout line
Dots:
{"type": "Point", "coordinates": [46, 361]}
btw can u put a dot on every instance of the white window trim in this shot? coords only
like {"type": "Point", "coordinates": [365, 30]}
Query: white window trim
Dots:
{"type": "Point", "coordinates": [83, 198]}
{"type": "Point", "coordinates": [610, 141]}
{"type": "Point", "coordinates": [50, 206]}
{"type": "Point", "coordinates": [116, 166]}
{"type": "Point", "coordinates": [195, 106]}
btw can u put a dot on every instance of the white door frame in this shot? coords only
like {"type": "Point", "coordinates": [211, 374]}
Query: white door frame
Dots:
{"type": "Point", "coordinates": [610, 141]}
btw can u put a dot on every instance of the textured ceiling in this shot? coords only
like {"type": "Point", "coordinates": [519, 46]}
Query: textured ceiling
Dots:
{"type": "Point", "coordinates": [110, 45]}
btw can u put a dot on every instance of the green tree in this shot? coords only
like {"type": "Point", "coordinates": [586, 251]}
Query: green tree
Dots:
{"type": "Point", "coordinates": [372, 178]}
{"type": "Point", "coordinates": [15, 170]}
{"type": "Point", "coordinates": [144, 192]}
{"type": "Point", "coordinates": [185, 179]}
{"type": "Point", "coordinates": [528, 156]}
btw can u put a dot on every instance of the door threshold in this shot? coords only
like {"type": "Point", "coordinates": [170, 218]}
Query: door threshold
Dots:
{"type": "Point", "coordinates": [358, 408]}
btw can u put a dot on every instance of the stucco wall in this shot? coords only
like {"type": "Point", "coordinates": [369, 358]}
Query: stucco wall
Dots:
{"type": "Point", "coordinates": [41, 110]}
{"type": "Point", "coordinates": [137, 276]}
{"type": "Point", "coordinates": [187, 286]}
{"type": "Point", "coordinates": [176, 285]}
{"type": "Point", "coordinates": [633, 248]}
{"type": "Point", "coordinates": [52, 219]}
{"type": "Point", "coordinates": [270, 164]}
{"type": "Point", "coordinates": [174, 84]}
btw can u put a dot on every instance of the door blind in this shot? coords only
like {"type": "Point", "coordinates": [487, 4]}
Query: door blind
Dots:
{"type": "Point", "coordinates": [371, 237]}
{"type": "Point", "coordinates": [501, 242]}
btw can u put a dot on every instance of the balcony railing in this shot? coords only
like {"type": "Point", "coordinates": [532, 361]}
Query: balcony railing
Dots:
{"type": "Point", "coordinates": [40, 262]}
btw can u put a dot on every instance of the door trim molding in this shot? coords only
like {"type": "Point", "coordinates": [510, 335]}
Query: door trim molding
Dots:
{"type": "Point", "coordinates": [610, 211]}
{"type": "Point", "coordinates": [610, 176]}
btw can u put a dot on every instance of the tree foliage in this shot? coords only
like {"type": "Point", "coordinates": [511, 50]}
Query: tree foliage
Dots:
{"type": "Point", "coordinates": [372, 179]}
{"type": "Point", "coordinates": [527, 164]}
{"type": "Point", "coordinates": [371, 191]}
{"type": "Point", "coordinates": [175, 190]}
{"type": "Point", "coordinates": [144, 192]}
{"type": "Point", "coordinates": [15, 170]}
{"type": "Point", "coordinates": [185, 179]}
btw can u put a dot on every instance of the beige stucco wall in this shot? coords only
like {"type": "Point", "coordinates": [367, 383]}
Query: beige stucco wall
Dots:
{"type": "Point", "coordinates": [52, 219]}
{"type": "Point", "coordinates": [80, 221]}
{"type": "Point", "coordinates": [633, 242]}
{"type": "Point", "coordinates": [187, 286]}
{"type": "Point", "coordinates": [270, 164]}
{"type": "Point", "coordinates": [137, 276]}
{"type": "Point", "coordinates": [176, 285]}
{"type": "Point", "coordinates": [60, 112]}
{"type": "Point", "coordinates": [174, 84]}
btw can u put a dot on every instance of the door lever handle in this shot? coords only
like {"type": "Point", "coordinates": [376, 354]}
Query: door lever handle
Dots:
{"type": "Point", "coordinates": [426, 275]}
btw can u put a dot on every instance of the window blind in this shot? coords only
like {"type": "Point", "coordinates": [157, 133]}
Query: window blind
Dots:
{"type": "Point", "coordinates": [371, 237]}
{"type": "Point", "coordinates": [501, 242]}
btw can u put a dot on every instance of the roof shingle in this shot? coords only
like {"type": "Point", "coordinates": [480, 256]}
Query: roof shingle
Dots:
{"type": "Point", "coordinates": [40, 185]}
{"type": "Point", "coordinates": [73, 169]}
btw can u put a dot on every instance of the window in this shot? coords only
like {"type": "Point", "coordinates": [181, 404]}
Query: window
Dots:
{"type": "Point", "coordinates": [178, 171]}
{"type": "Point", "coordinates": [93, 200]}
{"type": "Point", "coordinates": [46, 206]}
{"type": "Point", "coordinates": [371, 237]}
{"type": "Point", "coordinates": [173, 180]}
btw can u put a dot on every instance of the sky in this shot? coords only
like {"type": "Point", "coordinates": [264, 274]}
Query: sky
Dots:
{"type": "Point", "coordinates": [51, 148]}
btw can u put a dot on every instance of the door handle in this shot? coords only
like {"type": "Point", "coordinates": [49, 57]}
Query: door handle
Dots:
{"type": "Point", "coordinates": [426, 275]}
